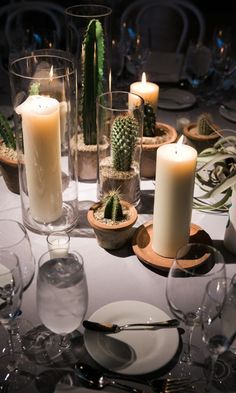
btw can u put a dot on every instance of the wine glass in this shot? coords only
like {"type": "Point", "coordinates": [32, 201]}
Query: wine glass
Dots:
{"type": "Point", "coordinates": [14, 367]}
{"type": "Point", "coordinates": [216, 333]}
{"type": "Point", "coordinates": [14, 237]}
{"type": "Point", "coordinates": [194, 266]}
{"type": "Point", "coordinates": [62, 298]}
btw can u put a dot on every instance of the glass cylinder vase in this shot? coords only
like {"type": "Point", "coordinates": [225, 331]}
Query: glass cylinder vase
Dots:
{"type": "Point", "coordinates": [89, 40]}
{"type": "Point", "coordinates": [120, 131]}
{"type": "Point", "coordinates": [44, 96]}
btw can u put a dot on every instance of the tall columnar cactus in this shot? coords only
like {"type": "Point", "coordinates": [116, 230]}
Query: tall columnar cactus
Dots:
{"type": "Point", "coordinates": [113, 209]}
{"type": "Point", "coordinates": [149, 120]}
{"type": "Point", "coordinates": [124, 136]}
{"type": "Point", "coordinates": [6, 133]}
{"type": "Point", "coordinates": [92, 78]}
{"type": "Point", "coordinates": [205, 124]}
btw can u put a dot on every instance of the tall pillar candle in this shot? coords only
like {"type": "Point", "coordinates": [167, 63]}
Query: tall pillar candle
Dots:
{"type": "Point", "coordinates": [175, 175]}
{"type": "Point", "coordinates": [147, 90]}
{"type": "Point", "coordinates": [41, 135]}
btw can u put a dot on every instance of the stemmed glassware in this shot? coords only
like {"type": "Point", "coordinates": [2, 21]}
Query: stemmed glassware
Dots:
{"type": "Point", "coordinates": [194, 266]}
{"type": "Point", "coordinates": [215, 328]}
{"type": "Point", "coordinates": [62, 298]}
{"type": "Point", "coordinates": [14, 370]}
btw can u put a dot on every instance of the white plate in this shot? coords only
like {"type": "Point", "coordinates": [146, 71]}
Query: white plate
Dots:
{"type": "Point", "coordinates": [176, 99]}
{"type": "Point", "coordinates": [227, 113]}
{"type": "Point", "coordinates": [131, 352]}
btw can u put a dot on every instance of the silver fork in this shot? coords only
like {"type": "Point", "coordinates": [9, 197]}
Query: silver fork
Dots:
{"type": "Point", "coordinates": [172, 385]}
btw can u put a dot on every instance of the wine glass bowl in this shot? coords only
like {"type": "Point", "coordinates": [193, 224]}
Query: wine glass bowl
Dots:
{"type": "Point", "coordinates": [14, 237]}
{"type": "Point", "coordinates": [194, 266]}
{"type": "Point", "coordinates": [62, 298]}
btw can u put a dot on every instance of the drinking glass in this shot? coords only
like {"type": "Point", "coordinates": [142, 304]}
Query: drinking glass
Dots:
{"type": "Point", "coordinates": [62, 298]}
{"type": "Point", "coordinates": [216, 333]}
{"type": "Point", "coordinates": [14, 237]}
{"type": "Point", "coordinates": [194, 266]}
{"type": "Point", "coordinates": [15, 371]}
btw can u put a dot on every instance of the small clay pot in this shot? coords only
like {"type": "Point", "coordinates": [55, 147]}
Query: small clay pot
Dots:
{"type": "Point", "coordinates": [112, 236]}
{"type": "Point", "coordinates": [199, 141]}
{"type": "Point", "coordinates": [9, 169]}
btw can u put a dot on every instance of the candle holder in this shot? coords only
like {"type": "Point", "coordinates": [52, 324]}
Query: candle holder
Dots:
{"type": "Point", "coordinates": [44, 98]}
{"type": "Point", "coordinates": [58, 244]}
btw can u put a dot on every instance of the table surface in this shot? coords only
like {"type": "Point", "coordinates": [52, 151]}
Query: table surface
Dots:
{"type": "Point", "coordinates": [116, 275]}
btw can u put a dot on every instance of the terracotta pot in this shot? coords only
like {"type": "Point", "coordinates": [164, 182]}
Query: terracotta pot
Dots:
{"type": "Point", "coordinates": [9, 169]}
{"type": "Point", "coordinates": [198, 141]}
{"type": "Point", "coordinates": [115, 235]}
{"type": "Point", "coordinates": [164, 134]}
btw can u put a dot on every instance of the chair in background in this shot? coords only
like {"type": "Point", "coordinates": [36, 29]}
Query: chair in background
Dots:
{"type": "Point", "coordinates": [157, 33]}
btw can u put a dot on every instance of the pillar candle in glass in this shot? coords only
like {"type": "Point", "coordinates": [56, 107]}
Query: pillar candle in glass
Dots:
{"type": "Point", "coordinates": [44, 98]}
{"type": "Point", "coordinates": [147, 90]}
{"type": "Point", "coordinates": [175, 175]}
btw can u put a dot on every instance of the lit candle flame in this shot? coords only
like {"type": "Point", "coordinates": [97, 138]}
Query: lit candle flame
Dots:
{"type": "Point", "coordinates": [51, 73]}
{"type": "Point", "coordinates": [144, 79]}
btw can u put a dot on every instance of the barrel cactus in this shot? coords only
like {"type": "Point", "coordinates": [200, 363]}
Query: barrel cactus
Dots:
{"type": "Point", "coordinates": [205, 124]}
{"type": "Point", "coordinates": [124, 135]}
{"type": "Point", "coordinates": [113, 209]}
{"type": "Point", "coordinates": [92, 78]}
{"type": "Point", "coordinates": [149, 120]}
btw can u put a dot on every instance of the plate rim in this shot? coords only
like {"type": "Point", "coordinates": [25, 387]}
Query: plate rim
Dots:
{"type": "Point", "coordinates": [125, 370]}
{"type": "Point", "coordinates": [174, 105]}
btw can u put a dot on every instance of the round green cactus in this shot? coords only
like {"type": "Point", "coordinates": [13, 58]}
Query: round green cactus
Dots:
{"type": "Point", "coordinates": [149, 120]}
{"type": "Point", "coordinates": [113, 209]}
{"type": "Point", "coordinates": [205, 124]}
{"type": "Point", "coordinates": [124, 136]}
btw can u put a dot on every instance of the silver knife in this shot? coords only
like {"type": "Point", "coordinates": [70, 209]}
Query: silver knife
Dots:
{"type": "Point", "coordinates": [113, 328]}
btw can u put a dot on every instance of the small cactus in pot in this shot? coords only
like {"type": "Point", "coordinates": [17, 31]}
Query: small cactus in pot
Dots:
{"type": "Point", "coordinates": [112, 220]}
{"type": "Point", "coordinates": [149, 121]}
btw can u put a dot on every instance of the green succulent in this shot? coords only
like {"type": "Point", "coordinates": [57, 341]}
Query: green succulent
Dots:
{"type": "Point", "coordinates": [113, 208]}
{"type": "Point", "coordinates": [92, 78]}
{"type": "Point", "coordinates": [6, 132]}
{"type": "Point", "coordinates": [205, 124]}
{"type": "Point", "coordinates": [124, 135]}
{"type": "Point", "coordinates": [149, 120]}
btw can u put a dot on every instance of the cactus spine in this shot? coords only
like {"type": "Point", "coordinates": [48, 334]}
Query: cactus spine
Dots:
{"type": "Point", "coordinates": [149, 120]}
{"type": "Point", "coordinates": [113, 209]}
{"type": "Point", "coordinates": [205, 124]}
{"type": "Point", "coordinates": [92, 78]}
{"type": "Point", "coordinates": [6, 133]}
{"type": "Point", "coordinates": [124, 136]}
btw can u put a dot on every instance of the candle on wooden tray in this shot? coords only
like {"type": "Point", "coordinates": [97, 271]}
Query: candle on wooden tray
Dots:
{"type": "Point", "coordinates": [42, 154]}
{"type": "Point", "coordinates": [147, 90]}
{"type": "Point", "coordinates": [175, 175]}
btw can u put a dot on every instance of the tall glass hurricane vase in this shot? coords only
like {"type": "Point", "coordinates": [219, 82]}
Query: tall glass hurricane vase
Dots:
{"type": "Point", "coordinates": [44, 95]}
{"type": "Point", "coordinates": [120, 130]}
{"type": "Point", "coordinates": [88, 39]}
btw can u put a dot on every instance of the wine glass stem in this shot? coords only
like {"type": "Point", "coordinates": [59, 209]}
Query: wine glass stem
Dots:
{"type": "Point", "coordinates": [187, 352]}
{"type": "Point", "coordinates": [211, 374]}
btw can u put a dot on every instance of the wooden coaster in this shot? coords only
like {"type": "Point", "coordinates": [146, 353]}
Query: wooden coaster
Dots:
{"type": "Point", "coordinates": [142, 246]}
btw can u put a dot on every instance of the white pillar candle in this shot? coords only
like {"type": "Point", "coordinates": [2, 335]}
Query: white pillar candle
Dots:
{"type": "Point", "coordinates": [42, 156]}
{"type": "Point", "coordinates": [147, 90]}
{"type": "Point", "coordinates": [175, 175]}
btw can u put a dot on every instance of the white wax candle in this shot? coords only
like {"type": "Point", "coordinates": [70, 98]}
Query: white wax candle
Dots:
{"type": "Point", "coordinates": [42, 155]}
{"type": "Point", "coordinates": [59, 248]}
{"type": "Point", "coordinates": [175, 175]}
{"type": "Point", "coordinates": [147, 90]}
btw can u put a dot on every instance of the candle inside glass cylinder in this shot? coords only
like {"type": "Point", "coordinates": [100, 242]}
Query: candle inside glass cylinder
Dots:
{"type": "Point", "coordinates": [175, 175]}
{"type": "Point", "coordinates": [147, 90]}
{"type": "Point", "coordinates": [42, 154]}
{"type": "Point", "coordinates": [58, 244]}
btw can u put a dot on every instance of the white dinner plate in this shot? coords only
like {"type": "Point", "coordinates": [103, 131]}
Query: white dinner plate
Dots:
{"type": "Point", "coordinates": [228, 113]}
{"type": "Point", "coordinates": [176, 99]}
{"type": "Point", "coordinates": [131, 352]}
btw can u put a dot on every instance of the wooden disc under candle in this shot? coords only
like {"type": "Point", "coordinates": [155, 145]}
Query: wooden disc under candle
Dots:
{"type": "Point", "coordinates": [142, 246]}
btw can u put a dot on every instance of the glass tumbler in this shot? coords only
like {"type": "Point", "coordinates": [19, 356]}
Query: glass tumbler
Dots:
{"type": "Point", "coordinates": [44, 96]}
